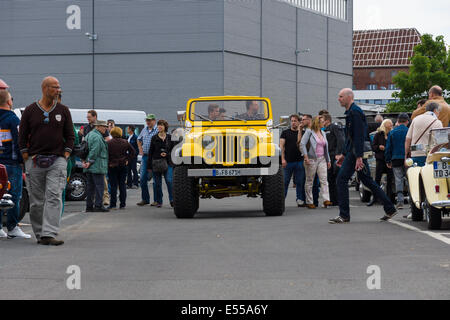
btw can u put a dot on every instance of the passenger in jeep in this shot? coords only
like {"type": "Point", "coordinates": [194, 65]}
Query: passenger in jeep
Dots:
{"type": "Point", "coordinates": [252, 111]}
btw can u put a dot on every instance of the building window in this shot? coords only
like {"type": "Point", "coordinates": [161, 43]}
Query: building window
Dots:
{"type": "Point", "coordinates": [372, 74]}
{"type": "Point", "coordinates": [372, 87]}
{"type": "Point", "coordinates": [331, 8]}
{"type": "Point", "coordinates": [392, 87]}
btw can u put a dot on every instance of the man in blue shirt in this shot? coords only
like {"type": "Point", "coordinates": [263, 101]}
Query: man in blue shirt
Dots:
{"type": "Point", "coordinates": [11, 158]}
{"type": "Point", "coordinates": [353, 160]}
{"type": "Point", "coordinates": [144, 140]}
{"type": "Point", "coordinates": [395, 155]}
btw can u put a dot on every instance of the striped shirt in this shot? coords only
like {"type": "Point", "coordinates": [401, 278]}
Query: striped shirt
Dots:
{"type": "Point", "coordinates": [145, 137]}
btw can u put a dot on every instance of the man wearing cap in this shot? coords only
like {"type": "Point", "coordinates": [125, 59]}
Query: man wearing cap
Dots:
{"type": "Point", "coordinates": [96, 167]}
{"type": "Point", "coordinates": [394, 155]}
{"type": "Point", "coordinates": [144, 140]}
{"type": "Point", "coordinates": [46, 141]}
{"type": "Point", "coordinates": [3, 85]}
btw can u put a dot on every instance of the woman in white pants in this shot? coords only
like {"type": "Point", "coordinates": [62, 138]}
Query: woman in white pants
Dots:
{"type": "Point", "coordinates": [314, 147]}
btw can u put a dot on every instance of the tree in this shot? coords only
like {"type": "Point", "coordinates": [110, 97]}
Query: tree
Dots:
{"type": "Point", "coordinates": [430, 65]}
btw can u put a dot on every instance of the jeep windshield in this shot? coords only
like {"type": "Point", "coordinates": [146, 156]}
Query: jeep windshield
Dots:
{"type": "Point", "coordinates": [229, 110]}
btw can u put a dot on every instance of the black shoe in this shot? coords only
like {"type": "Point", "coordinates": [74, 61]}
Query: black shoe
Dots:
{"type": "Point", "coordinates": [89, 210]}
{"type": "Point", "coordinates": [338, 220]}
{"type": "Point", "coordinates": [101, 209]}
{"type": "Point", "coordinates": [389, 216]}
{"type": "Point", "coordinates": [48, 241]}
{"type": "Point", "coordinates": [112, 208]}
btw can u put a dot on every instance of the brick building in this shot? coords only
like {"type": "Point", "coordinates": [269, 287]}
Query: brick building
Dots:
{"type": "Point", "coordinates": [379, 55]}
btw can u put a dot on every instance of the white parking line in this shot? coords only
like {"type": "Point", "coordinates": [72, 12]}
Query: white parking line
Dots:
{"type": "Point", "coordinates": [434, 235]}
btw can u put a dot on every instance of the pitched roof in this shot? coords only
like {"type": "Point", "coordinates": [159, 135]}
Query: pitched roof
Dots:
{"type": "Point", "coordinates": [384, 48]}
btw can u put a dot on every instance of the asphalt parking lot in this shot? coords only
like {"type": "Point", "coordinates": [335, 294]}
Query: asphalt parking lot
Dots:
{"type": "Point", "coordinates": [230, 250]}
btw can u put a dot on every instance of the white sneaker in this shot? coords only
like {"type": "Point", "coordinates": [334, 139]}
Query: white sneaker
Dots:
{"type": "Point", "coordinates": [3, 234]}
{"type": "Point", "coordinates": [300, 203]}
{"type": "Point", "coordinates": [18, 233]}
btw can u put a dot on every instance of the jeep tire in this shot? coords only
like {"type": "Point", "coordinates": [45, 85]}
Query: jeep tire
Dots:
{"type": "Point", "coordinates": [185, 194]}
{"type": "Point", "coordinates": [273, 194]}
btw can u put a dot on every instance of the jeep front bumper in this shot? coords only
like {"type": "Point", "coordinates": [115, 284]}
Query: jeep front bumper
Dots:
{"type": "Point", "coordinates": [239, 172]}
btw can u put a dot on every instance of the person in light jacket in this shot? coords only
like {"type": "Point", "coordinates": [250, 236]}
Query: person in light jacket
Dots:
{"type": "Point", "coordinates": [314, 146]}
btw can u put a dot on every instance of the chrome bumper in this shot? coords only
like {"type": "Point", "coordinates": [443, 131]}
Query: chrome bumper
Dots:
{"type": "Point", "coordinates": [243, 172]}
{"type": "Point", "coordinates": [441, 204]}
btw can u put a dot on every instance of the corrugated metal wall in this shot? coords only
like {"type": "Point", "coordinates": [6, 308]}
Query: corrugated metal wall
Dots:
{"type": "Point", "coordinates": [153, 55]}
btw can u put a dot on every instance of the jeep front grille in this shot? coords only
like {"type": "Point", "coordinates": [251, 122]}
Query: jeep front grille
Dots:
{"type": "Point", "coordinates": [228, 149]}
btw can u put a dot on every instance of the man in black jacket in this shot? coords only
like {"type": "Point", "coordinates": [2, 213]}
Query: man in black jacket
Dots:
{"type": "Point", "coordinates": [336, 140]}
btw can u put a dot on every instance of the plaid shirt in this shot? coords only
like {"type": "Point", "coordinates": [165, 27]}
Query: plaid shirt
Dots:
{"type": "Point", "coordinates": [145, 137]}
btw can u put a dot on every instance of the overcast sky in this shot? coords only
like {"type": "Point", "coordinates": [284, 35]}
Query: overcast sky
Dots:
{"type": "Point", "coordinates": [430, 16]}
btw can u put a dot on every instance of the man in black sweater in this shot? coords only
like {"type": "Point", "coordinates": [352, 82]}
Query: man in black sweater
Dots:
{"type": "Point", "coordinates": [46, 141]}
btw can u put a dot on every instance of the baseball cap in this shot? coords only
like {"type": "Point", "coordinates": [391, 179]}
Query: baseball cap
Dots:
{"type": "Point", "coordinates": [3, 84]}
{"type": "Point", "coordinates": [403, 117]}
{"type": "Point", "coordinates": [150, 117]}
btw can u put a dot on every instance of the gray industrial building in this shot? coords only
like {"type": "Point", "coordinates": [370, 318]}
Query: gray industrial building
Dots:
{"type": "Point", "coordinates": [154, 55]}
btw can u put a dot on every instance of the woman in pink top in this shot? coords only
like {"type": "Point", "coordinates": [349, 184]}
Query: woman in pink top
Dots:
{"type": "Point", "coordinates": [314, 147]}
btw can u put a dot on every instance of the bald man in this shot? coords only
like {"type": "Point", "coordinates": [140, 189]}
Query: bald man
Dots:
{"type": "Point", "coordinates": [46, 140]}
{"type": "Point", "coordinates": [353, 160]}
{"type": "Point", "coordinates": [435, 94]}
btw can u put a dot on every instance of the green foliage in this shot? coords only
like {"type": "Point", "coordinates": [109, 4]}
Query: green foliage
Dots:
{"type": "Point", "coordinates": [430, 66]}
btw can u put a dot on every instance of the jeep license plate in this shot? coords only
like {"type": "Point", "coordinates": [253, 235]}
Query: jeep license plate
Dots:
{"type": "Point", "coordinates": [441, 170]}
{"type": "Point", "coordinates": [226, 172]}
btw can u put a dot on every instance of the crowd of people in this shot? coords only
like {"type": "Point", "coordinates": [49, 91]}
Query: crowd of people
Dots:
{"type": "Point", "coordinates": [320, 155]}
{"type": "Point", "coordinates": [320, 152]}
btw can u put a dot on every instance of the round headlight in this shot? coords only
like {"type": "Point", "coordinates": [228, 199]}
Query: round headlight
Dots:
{"type": "Point", "coordinates": [249, 142]}
{"type": "Point", "coordinates": [208, 142]}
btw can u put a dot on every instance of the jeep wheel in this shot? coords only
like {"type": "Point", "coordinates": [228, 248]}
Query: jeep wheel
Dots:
{"type": "Point", "coordinates": [364, 194]}
{"type": "Point", "coordinates": [185, 194]}
{"type": "Point", "coordinates": [77, 187]}
{"type": "Point", "coordinates": [273, 194]}
{"type": "Point", "coordinates": [433, 216]}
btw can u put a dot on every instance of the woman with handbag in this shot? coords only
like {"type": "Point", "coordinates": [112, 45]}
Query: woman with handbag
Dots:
{"type": "Point", "coordinates": [379, 146]}
{"type": "Point", "coordinates": [121, 152]}
{"type": "Point", "coordinates": [160, 163]}
{"type": "Point", "coordinates": [314, 147]}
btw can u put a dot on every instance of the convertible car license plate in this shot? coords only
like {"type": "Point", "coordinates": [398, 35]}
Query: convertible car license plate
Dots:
{"type": "Point", "coordinates": [441, 170]}
{"type": "Point", "coordinates": [226, 172]}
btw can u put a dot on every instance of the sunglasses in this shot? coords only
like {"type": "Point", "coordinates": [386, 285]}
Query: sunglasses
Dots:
{"type": "Point", "coordinates": [46, 119]}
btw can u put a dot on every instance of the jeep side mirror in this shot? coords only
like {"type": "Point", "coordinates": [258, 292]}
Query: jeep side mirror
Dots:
{"type": "Point", "coordinates": [181, 116]}
{"type": "Point", "coordinates": [284, 121]}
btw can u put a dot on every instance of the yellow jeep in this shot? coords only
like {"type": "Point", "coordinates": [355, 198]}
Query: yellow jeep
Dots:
{"type": "Point", "coordinates": [429, 185]}
{"type": "Point", "coordinates": [228, 150]}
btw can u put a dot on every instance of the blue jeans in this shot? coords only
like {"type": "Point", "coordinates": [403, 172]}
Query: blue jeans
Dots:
{"type": "Point", "coordinates": [145, 177]}
{"type": "Point", "coordinates": [346, 172]}
{"type": "Point", "coordinates": [420, 161]}
{"type": "Point", "coordinates": [296, 169]}
{"type": "Point", "coordinates": [15, 177]}
{"type": "Point", "coordinates": [157, 184]}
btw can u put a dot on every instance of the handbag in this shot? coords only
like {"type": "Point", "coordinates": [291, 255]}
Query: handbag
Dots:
{"type": "Point", "coordinates": [160, 165]}
{"type": "Point", "coordinates": [81, 150]}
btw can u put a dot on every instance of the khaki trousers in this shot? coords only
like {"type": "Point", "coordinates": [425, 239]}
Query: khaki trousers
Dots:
{"type": "Point", "coordinates": [318, 166]}
{"type": "Point", "coordinates": [45, 188]}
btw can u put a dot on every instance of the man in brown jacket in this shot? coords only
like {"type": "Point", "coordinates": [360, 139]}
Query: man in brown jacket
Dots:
{"type": "Point", "coordinates": [435, 95]}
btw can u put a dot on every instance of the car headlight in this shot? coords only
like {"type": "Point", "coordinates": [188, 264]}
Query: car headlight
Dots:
{"type": "Point", "coordinates": [249, 142]}
{"type": "Point", "coordinates": [208, 142]}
